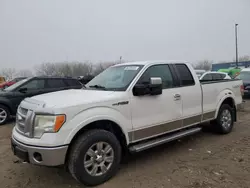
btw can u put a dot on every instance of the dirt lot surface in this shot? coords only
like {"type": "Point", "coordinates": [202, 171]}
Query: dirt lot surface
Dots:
{"type": "Point", "coordinates": [204, 160]}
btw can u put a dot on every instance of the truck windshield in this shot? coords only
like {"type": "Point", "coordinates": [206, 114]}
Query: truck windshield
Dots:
{"type": "Point", "coordinates": [116, 78]}
{"type": "Point", "coordinates": [244, 75]}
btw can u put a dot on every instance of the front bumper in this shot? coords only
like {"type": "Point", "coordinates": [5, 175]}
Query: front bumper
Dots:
{"type": "Point", "coordinates": [46, 156]}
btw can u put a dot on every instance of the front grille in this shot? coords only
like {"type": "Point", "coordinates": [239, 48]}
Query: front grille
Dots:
{"type": "Point", "coordinates": [23, 111]}
{"type": "Point", "coordinates": [24, 121]}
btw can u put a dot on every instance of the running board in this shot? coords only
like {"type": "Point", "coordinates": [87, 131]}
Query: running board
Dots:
{"type": "Point", "coordinates": [158, 141]}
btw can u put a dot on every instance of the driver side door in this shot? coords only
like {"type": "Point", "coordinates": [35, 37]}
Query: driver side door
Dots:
{"type": "Point", "coordinates": [31, 88]}
{"type": "Point", "coordinates": [153, 115]}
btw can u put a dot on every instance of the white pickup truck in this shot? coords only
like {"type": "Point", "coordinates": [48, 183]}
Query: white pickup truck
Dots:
{"type": "Point", "coordinates": [129, 107]}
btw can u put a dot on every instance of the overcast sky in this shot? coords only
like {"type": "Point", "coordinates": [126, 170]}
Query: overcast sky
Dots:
{"type": "Point", "coordinates": [36, 31]}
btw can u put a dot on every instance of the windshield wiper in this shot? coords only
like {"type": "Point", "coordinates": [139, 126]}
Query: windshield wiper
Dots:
{"type": "Point", "coordinates": [98, 87]}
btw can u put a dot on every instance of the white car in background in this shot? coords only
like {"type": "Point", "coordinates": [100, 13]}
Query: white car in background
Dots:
{"type": "Point", "coordinates": [199, 73]}
{"type": "Point", "coordinates": [213, 75]}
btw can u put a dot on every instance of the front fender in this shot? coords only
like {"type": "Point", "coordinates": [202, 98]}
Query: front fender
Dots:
{"type": "Point", "coordinates": [96, 114]}
{"type": "Point", "coordinates": [8, 103]}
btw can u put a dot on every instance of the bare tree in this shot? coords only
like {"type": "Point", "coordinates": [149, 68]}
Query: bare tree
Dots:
{"type": "Point", "coordinates": [24, 73]}
{"type": "Point", "coordinates": [82, 69]}
{"type": "Point", "coordinates": [8, 73]}
{"type": "Point", "coordinates": [204, 65]}
{"type": "Point", "coordinates": [102, 66]}
{"type": "Point", "coordinates": [46, 69]}
{"type": "Point", "coordinates": [244, 58]}
{"type": "Point", "coordinates": [71, 69]}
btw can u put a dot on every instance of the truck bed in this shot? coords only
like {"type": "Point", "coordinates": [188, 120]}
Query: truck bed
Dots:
{"type": "Point", "coordinates": [213, 93]}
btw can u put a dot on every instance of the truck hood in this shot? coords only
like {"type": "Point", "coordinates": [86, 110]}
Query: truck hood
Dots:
{"type": "Point", "coordinates": [73, 97]}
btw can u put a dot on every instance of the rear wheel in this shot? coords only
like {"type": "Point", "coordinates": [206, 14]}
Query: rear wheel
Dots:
{"type": "Point", "coordinates": [95, 157]}
{"type": "Point", "coordinates": [225, 120]}
{"type": "Point", "coordinates": [4, 114]}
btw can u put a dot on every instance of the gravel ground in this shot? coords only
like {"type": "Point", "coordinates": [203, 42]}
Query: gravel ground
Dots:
{"type": "Point", "coordinates": [204, 160]}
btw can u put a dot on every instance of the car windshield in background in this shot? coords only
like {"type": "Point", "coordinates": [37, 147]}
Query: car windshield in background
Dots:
{"type": "Point", "coordinates": [115, 78]}
{"type": "Point", "coordinates": [245, 75]}
{"type": "Point", "coordinates": [16, 85]}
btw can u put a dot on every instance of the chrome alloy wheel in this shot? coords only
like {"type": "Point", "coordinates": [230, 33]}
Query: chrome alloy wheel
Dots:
{"type": "Point", "coordinates": [226, 119]}
{"type": "Point", "coordinates": [3, 115]}
{"type": "Point", "coordinates": [98, 159]}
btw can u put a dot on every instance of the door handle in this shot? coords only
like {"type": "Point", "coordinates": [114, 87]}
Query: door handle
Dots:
{"type": "Point", "coordinates": [177, 97]}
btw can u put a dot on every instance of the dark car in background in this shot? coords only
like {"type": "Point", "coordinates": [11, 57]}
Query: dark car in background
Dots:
{"type": "Point", "coordinates": [244, 75]}
{"type": "Point", "coordinates": [85, 79]}
{"type": "Point", "coordinates": [12, 96]}
{"type": "Point", "coordinates": [11, 82]}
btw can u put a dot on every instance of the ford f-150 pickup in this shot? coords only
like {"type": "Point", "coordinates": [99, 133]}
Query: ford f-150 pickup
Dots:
{"type": "Point", "coordinates": [129, 107]}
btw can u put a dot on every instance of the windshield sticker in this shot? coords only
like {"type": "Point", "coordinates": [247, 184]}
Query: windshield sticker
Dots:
{"type": "Point", "coordinates": [131, 68]}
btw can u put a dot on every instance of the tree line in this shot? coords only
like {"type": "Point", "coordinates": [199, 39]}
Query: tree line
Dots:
{"type": "Point", "coordinates": [77, 69]}
{"type": "Point", "coordinates": [61, 69]}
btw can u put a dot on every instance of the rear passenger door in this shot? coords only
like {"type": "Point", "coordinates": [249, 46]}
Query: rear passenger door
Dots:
{"type": "Point", "coordinates": [191, 95]}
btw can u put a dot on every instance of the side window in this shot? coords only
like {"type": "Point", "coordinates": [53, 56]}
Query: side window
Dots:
{"type": "Point", "coordinates": [34, 84]}
{"type": "Point", "coordinates": [161, 71]}
{"type": "Point", "coordinates": [207, 77]}
{"type": "Point", "coordinates": [222, 76]}
{"type": "Point", "coordinates": [185, 75]}
{"type": "Point", "coordinates": [216, 76]}
{"type": "Point", "coordinates": [72, 82]}
{"type": "Point", "coordinates": [55, 83]}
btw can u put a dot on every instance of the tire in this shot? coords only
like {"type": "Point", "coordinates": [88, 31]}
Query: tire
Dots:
{"type": "Point", "coordinates": [4, 114]}
{"type": "Point", "coordinates": [225, 120]}
{"type": "Point", "coordinates": [80, 155]}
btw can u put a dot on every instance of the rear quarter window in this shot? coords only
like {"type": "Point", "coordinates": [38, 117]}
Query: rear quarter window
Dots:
{"type": "Point", "coordinates": [185, 75]}
{"type": "Point", "coordinates": [73, 82]}
{"type": "Point", "coordinates": [56, 83]}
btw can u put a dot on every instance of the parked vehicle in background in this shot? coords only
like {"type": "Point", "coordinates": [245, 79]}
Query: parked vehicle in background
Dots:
{"type": "Point", "coordinates": [232, 72]}
{"type": "Point", "coordinates": [11, 97]}
{"type": "Point", "coordinates": [2, 79]}
{"type": "Point", "coordinates": [9, 83]}
{"type": "Point", "coordinates": [128, 107]}
{"type": "Point", "coordinates": [199, 73]}
{"type": "Point", "coordinates": [245, 77]}
{"type": "Point", "coordinates": [211, 76]}
{"type": "Point", "coordinates": [85, 79]}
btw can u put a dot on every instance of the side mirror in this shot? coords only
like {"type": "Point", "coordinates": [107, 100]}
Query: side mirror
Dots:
{"type": "Point", "coordinates": [153, 88]}
{"type": "Point", "coordinates": [23, 90]}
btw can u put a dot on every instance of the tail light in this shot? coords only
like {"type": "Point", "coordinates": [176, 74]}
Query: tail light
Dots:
{"type": "Point", "coordinates": [242, 90]}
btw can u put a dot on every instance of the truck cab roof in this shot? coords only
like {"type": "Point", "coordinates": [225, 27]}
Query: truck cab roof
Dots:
{"type": "Point", "coordinates": [153, 62]}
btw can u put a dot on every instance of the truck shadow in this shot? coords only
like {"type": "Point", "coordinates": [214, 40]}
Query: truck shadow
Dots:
{"type": "Point", "coordinates": [144, 159]}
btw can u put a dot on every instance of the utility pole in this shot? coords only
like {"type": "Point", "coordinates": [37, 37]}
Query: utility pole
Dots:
{"type": "Point", "coordinates": [236, 45]}
{"type": "Point", "coordinates": [120, 59]}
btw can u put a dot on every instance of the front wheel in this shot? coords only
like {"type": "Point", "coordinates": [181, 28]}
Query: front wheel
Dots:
{"type": "Point", "coordinates": [95, 157]}
{"type": "Point", "coordinates": [4, 114]}
{"type": "Point", "coordinates": [225, 120]}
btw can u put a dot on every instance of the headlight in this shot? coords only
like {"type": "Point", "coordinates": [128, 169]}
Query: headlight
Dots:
{"type": "Point", "coordinates": [47, 124]}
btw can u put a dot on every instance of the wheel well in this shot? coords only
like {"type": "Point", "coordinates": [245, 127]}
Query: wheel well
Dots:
{"type": "Point", "coordinates": [231, 103]}
{"type": "Point", "coordinates": [6, 106]}
{"type": "Point", "coordinates": [105, 125]}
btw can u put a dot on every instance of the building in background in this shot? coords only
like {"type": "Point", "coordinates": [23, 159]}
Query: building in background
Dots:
{"type": "Point", "coordinates": [231, 65]}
